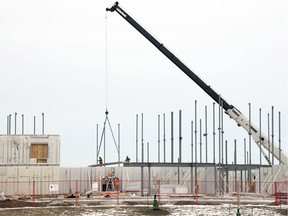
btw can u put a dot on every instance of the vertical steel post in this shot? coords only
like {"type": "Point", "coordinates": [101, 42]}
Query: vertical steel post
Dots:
{"type": "Point", "coordinates": [180, 136]}
{"type": "Point", "coordinates": [200, 139]}
{"type": "Point", "coordinates": [272, 128]}
{"type": "Point", "coordinates": [227, 172]}
{"type": "Point", "coordinates": [10, 124]}
{"type": "Point", "coordinates": [34, 125]}
{"type": "Point", "coordinates": [97, 152]}
{"type": "Point", "coordinates": [247, 153]}
{"type": "Point", "coordinates": [206, 135]}
{"type": "Point", "coordinates": [142, 171]}
{"type": "Point", "coordinates": [280, 149]}
{"type": "Point", "coordinates": [118, 145]}
{"type": "Point", "coordinates": [260, 138]}
{"type": "Point", "coordinates": [220, 151]}
{"type": "Point", "coordinates": [245, 163]}
{"type": "Point", "coordinates": [192, 142]}
{"type": "Point", "coordinates": [226, 152]}
{"type": "Point", "coordinates": [222, 131]}
{"type": "Point", "coordinates": [250, 151]}
{"type": "Point", "coordinates": [222, 141]}
{"type": "Point", "coordinates": [235, 162]}
{"type": "Point", "coordinates": [180, 145]}
{"type": "Point", "coordinates": [142, 140]}
{"type": "Point", "coordinates": [214, 150]}
{"type": "Point", "coordinates": [196, 160]}
{"type": "Point", "coordinates": [191, 168]}
{"type": "Point", "coordinates": [42, 123]}
{"type": "Point", "coordinates": [137, 138]}
{"type": "Point", "coordinates": [172, 147]}
{"type": "Point", "coordinates": [22, 124]}
{"type": "Point", "coordinates": [158, 138]}
{"type": "Point", "coordinates": [269, 152]}
{"type": "Point", "coordinates": [219, 128]}
{"type": "Point", "coordinates": [260, 131]}
{"type": "Point", "coordinates": [15, 123]}
{"type": "Point", "coordinates": [7, 124]}
{"type": "Point", "coordinates": [164, 139]}
{"type": "Point", "coordinates": [104, 142]}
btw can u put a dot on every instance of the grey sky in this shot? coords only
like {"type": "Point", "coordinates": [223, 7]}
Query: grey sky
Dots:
{"type": "Point", "coordinates": [52, 60]}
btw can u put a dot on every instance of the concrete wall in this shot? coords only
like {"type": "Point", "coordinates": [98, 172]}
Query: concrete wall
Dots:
{"type": "Point", "coordinates": [19, 179]}
{"type": "Point", "coordinates": [16, 149]}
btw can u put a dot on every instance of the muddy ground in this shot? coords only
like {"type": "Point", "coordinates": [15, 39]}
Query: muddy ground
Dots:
{"type": "Point", "coordinates": [139, 206]}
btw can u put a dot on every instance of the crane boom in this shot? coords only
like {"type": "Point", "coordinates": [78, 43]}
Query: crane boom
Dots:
{"type": "Point", "coordinates": [261, 140]}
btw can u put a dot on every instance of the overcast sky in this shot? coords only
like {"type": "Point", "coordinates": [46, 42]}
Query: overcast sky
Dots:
{"type": "Point", "coordinates": [53, 61]}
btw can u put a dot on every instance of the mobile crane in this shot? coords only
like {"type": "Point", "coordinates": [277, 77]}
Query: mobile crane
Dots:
{"type": "Point", "coordinates": [230, 110]}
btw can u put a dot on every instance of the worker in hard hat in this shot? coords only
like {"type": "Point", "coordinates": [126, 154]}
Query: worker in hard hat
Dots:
{"type": "Point", "coordinates": [100, 160]}
{"type": "Point", "coordinates": [127, 159]}
{"type": "Point", "coordinates": [117, 184]}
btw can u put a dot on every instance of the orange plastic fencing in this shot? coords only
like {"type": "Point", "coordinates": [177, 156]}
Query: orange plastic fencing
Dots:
{"type": "Point", "coordinates": [281, 191]}
{"type": "Point", "coordinates": [119, 189]}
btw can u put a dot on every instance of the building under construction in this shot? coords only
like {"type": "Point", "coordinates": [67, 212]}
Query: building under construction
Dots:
{"type": "Point", "coordinates": [30, 164]}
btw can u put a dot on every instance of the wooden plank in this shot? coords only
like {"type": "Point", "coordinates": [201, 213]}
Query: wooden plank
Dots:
{"type": "Point", "coordinates": [39, 151]}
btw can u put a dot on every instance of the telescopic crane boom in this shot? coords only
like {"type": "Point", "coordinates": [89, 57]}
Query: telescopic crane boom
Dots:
{"type": "Point", "coordinates": [230, 110]}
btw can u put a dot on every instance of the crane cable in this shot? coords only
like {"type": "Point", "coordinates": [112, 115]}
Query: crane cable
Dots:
{"type": "Point", "coordinates": [106, 60]}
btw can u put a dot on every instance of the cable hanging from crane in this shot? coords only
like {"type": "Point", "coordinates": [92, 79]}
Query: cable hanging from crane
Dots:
{"type": "Point", "coordinates": [106, 61]}
{"type": "Point", "coordinates": [103, 134]}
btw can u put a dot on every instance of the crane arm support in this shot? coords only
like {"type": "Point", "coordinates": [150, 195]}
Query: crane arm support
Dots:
{"type": "Point", "coordinates": [260, 139]}
{"type": "Point", "coordinates": [169, 55]}
{"type": "Point", "coordinates": [229, 109]}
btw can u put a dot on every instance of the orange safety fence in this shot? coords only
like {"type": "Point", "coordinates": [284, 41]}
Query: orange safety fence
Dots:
{"type": "Point", "coordinates": [281, 193]}
{"type": "Point", "coordinates": [119, 189]}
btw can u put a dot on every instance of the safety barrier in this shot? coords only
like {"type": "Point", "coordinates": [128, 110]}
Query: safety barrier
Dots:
{"type": "Point", "coordinates": [281, 193]}
{"type": "Point", "coordinates": [121, 189]}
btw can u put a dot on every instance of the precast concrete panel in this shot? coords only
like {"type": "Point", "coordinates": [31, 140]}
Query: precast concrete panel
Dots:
{"type": "Point", "coordinates": [24, 181]}
{"type": "Point", "coordinates": [16, 149]}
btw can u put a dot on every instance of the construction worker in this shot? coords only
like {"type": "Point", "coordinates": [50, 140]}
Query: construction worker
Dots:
{"type": "Point", "coordinates": [127, 159]}
{"type": "Point", "coordinates": [253, 185]}
{"type": "Point", "coordinates": [110, 174]}
{"type": "Point", "coordinates": [100, 160]}
{"type": "Point", "coordinates": [116, 184]}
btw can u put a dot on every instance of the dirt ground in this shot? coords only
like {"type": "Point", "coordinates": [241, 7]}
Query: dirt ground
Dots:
{"type": "Point", "coordinates": [26, 207]}
{"type": "Point", "coordinates": [131, 206]}
{"type": "Point", "coordinates": [20, 202]}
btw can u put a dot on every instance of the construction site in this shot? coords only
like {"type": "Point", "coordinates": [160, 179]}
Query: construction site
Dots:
{"type": "Point", "coordinates": [218, 178]}
{"type": "Point", "coordinates": [34, 178]}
